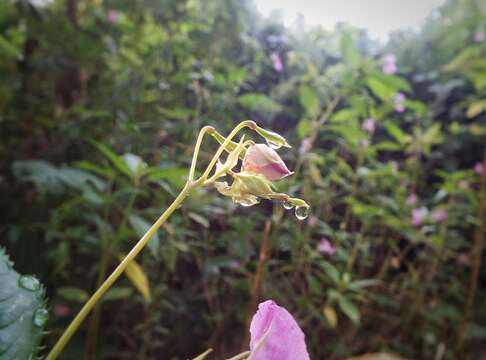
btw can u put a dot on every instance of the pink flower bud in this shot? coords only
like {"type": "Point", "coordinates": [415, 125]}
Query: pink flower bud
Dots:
{"type": "Point", "coordinates": [479, 36]}
{"type": "Point", "coordinates": [439, 215]}
{"type": "Point", "coordinates": [275, 335]}
{"type": "Point", "coordinates": [262, 159]}
{"type": "Point", "coordinates": [326, 247]}
{"type": "Point", "coordinates": [369, 126]}
{"type": "Point", "coordinates": [399, 101]}
{"type": "Point", "coordinates": [418, 215]}
{"type": "Point", "coordinates": [113, 16]}
{"type": "Point", "coordinates": [412, 199]}
{"type": "Point", "coordinates": [276, 62]}
{"type": "Point", "coordinates": [478, 168]}
{"type": "Point", "coordinates": [305, 145]}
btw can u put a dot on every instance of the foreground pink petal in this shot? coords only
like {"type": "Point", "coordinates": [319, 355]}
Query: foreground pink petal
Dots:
{"type": "Point", "coordinates": [275, 335]}
{"type": "Point", "coordinates": [262, 159]}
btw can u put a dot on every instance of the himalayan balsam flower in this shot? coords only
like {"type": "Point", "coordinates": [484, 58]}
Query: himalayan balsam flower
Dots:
{"type": "Point", "coordinates": [262, 159]}
{"type": "Point", "coordinates": [275, 335]}
{"type": "Point", "coordinates": [305, 145]}
{"type": "Point", "coordinates": [276, 62]}
{"type": "Point", "coordinates": [479, 168]}
{"type": "Point", "coordinates": [369, 126]}
{"type": "Point", "coordinates": [399, 101]}
{"type": "Point", "coordinates": [418, 215]}
{"type": "Point", "coordinates": [326, 247]}
{"type": "Point", "coordinates": [439, 215]}
{"type": "Point", "coordinates": [389, 66]}
{"type": "Point", "coordinates": [113, 16]}
{"type": "Point", "coordinates": [412, 199]}
{"type": "Point", "coordinates": [479, 36]}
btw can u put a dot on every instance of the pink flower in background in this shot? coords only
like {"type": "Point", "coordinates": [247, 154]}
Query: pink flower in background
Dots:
{"type": "Point", "coordinates": [262, 159]}
{"type": "Point", "coordinates": [463, 184]}
{"type": "Point", "coordinates": [313, 220]}
{"type": "Point", "coordinates": [479, 168]}
{"type": "Point", "coordinates": [113, 16]}
{"type": "Point", "coordinates": [305, 145]}
{"type": "Point", "coordinates": [276, 61]}
{"type": "Point", "coordinates": [399, 101]}
{"type": "Point", "coordinates": [61, 310]}
{"type": "Point", "coordinates": [369, 126]}
{"type": "Point", "coordinates": [388, 64]}
{"type": "Point", "coordinates": [326, 247]}
{"type": "Point", "coordinates": [418, 215]}
{"type": "Point", "coordinates": [412, 199]}
{"type": "Point", "coordinates": [479, 36]}
{"type": "Point", "coordinates": [275, 335]}
{"type": "Point", "coordinates": [439, 215]}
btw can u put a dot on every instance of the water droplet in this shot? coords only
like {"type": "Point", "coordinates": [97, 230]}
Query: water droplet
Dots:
{"type": "Point", "coordinates": [287, 205]}
{"type": "Point", "coordinates": [40, 317]}
{"type": "Point", "coordinates": [301, 212]}
{"type": "Point", "coordinates": [273, 144]}
{"type": "Point", "coordinates": [247, 202]}
{"type": "Point", "coordinates": [29, 283]}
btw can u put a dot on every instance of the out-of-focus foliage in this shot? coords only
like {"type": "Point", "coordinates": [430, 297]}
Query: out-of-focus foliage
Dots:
{"type": "Point", "coordinates": [100, 103]}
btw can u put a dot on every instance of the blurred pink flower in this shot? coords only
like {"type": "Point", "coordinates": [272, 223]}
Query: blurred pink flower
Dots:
{"type": "Point", "coordinates": [369, 125]}
{"type": "Point", "coordinates": [305, 145]}
{"type": "Point", "coordinates": [262, 159]}
{"type": "Point", "coordinates": [388, 64]}
{"type": "Point", "coordinates": [113, 16]}
{"type": "Point", "coordinates": [326, 247]}
{"type": "Point", "coordinates": [479, 36]}
{"type": "Point", "coordinates": [275, 335]}
{"type": "Point", "coordinates": [399, 101]}
{"type": "Point", "coordinates": [412, 199]}
{"type": "Point", "coordinates": [276, 62]}
{"type": "Point", "coordinates": [479, 168]}
{"type": "Point", "coordinates": [313, 220]}
{"type": "Point", "coordinates": [61, 310]}
{"type": "Point", "coordinates": [439, 215]}
{"type": "Point", "coordinates": [418, 215]}
{"type": "Point", "coordinates": [463, 184]}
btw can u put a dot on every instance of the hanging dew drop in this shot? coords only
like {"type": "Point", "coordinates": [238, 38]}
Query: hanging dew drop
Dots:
{"type": "Point", "coordinates": [247, 202]}
{"type": "Point", "coordinates": [40, 317]}
{"type": "Point", "coordinates": [287, 205]}
{"type": "Point", "coordinates": [274, 145]}
{"type": "Point", "coordinates": [301, 212]}
{"type": "Point", "coordinates": [29, 283]}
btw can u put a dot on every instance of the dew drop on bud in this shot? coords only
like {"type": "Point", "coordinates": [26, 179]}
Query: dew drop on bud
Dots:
{"type": "Point", "coordinates": [273, 144]}
{"type": "Point", "coordinates": [287, 205]}
{"type": "Point", "coordinates": [301, 212]}
{"type": "Point", "coordinates": [247, 202]}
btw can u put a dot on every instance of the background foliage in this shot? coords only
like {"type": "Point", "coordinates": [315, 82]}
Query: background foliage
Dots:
{"type": "Point", "coordinates": [100, 103]}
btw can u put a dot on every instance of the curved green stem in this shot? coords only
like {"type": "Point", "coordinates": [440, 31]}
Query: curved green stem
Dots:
{"type": "Point", "coordinates": [77, 321]}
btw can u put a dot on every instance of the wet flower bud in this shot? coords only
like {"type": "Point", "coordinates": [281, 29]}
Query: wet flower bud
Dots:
{"type": "Point", "coordinates": [261, 159]}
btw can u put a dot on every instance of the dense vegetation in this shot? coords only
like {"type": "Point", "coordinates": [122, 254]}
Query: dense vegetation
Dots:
{"type": "Point", "coordinates": [100, 105]}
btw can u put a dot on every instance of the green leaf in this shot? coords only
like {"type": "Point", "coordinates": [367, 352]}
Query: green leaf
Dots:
{"type": "Point", "coordinates": [331, 271]}
{"type": "Point", "coordinates": [476, 108]}
{"type": "Point", "coordinates": [72, 293]}
{"type": "Point", "coordinates": [304, 128]}
{"type": "Point", "coordinates": [140, 226]}
{"type": "Point", "coordinates": [260, 103]}
{"type": "Point", "coordinates": [381, 90]}
{"type": "Point", "coordinates": [349, 309]}
{"type": "Point", "coordinates": [397, 133]}
{"type": "Point", "coordinates": [119, 163]}
{"type": "Point", "coordinates": [349, 51]}
{"type": "Point", "coordinates": [22, 313]}
{"type": "Point", "coordinates": [118, 293]}
{"type": "Point", "coordinates": [309, 100]}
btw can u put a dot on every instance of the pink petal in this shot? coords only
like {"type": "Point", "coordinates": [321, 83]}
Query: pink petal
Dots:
{"type": "Point", "coordinates": [326, 247]}
{"type": "Point", "coordinates": [262, 159]}
{"type": "Point", "coordinates": [412, 199]}
{"type": "Point", "coordinates": [284, 340]}
{"type": "Point", "coordinates": [276, 61]}
{"type": "Point", "coordinates": [439, 215]}
{"type": "Point", "coordinates": [478, 168]}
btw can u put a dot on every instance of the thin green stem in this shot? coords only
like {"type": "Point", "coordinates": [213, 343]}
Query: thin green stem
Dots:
{"type": "Point", "coordinates": [77, 321]}
{"type": "Point", "coordinates": [204, 130]}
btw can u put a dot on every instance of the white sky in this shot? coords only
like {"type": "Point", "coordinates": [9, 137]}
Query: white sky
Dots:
{"type": "Point", "coordinates": [379, 17]}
